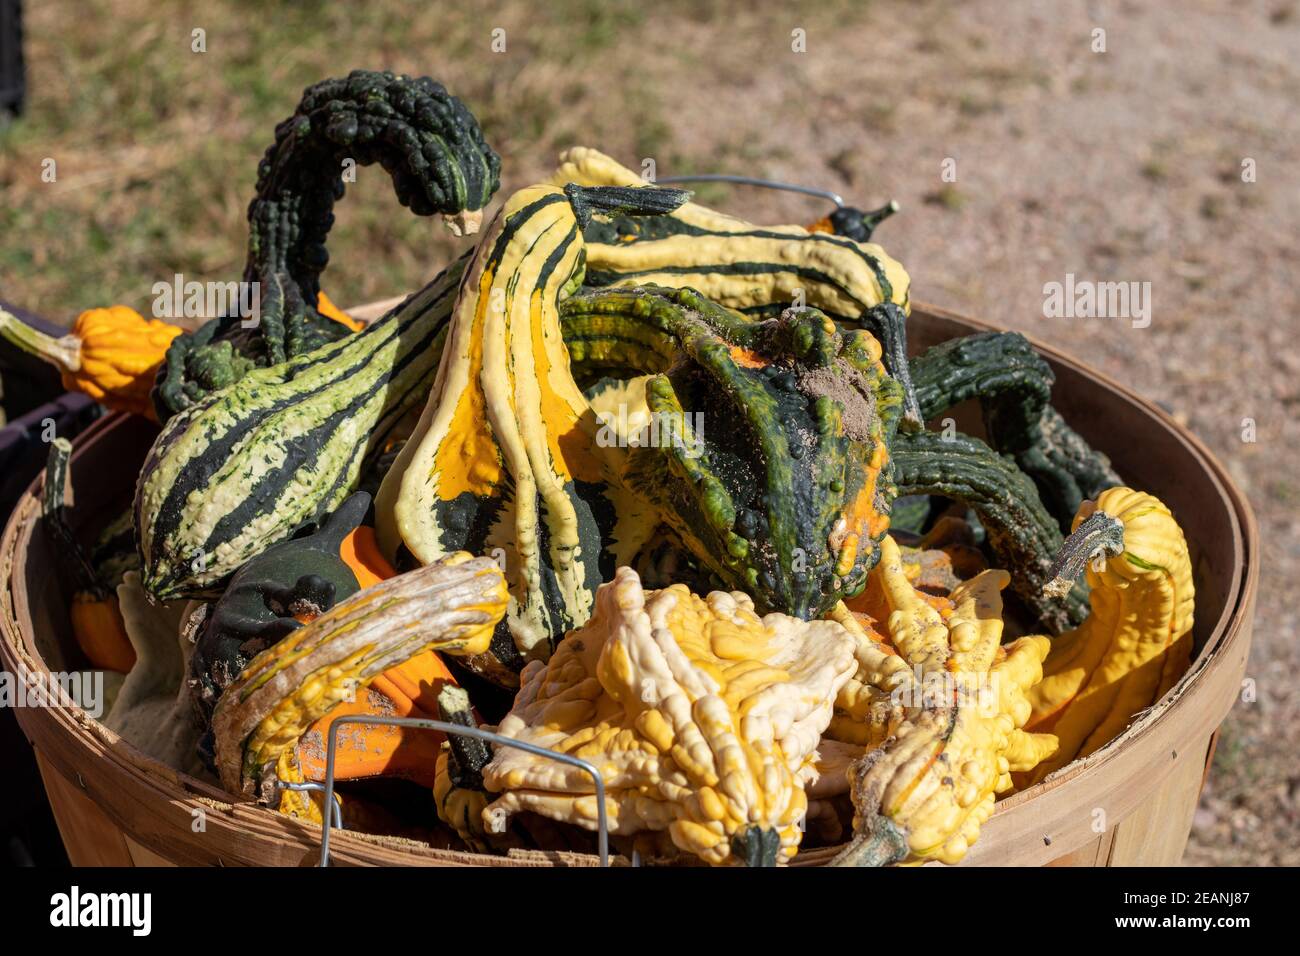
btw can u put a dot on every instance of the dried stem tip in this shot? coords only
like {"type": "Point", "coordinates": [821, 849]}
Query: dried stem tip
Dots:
{"type": "Point", "coordinates": [1097, 536]}
{"type": "Point", "coordinates": [64, 353]}
{"type": "Point", "coordinates": [883, 843]}
{"type": "Point", "coordinates": [465, 222]}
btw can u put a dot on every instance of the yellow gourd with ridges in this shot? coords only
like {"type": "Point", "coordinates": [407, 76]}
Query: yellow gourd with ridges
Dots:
{"type": "Point", "coordinates": [939, 723]}
{"type": "Point", "coordinates": [1137, 641]}
{"type": "Point", "coordinates": [701, 716]}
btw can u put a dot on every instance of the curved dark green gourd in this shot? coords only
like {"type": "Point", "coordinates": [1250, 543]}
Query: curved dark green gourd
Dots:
{"type": "Point", "coordinates": [770, 463]}
{"type": "Point", "coordinates": [886, 320]}
{"type": "Point", "coordinates": [1021, 533]}
{"type": "Point", "coordinates": [1014, 385]}
{"type": "Point", "coordinates": [303, 577]}
{"type": "Point", "coordinates": [432, 148]}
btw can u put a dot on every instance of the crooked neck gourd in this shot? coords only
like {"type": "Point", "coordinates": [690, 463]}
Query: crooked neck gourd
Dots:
{"type": "Point", "coordinates": [760, 270]}
{"type": "Point", "coordinates": [1135, 644]}
{"type": "Point", "coordinates": [427, 141]}
{"type": "Point", "coordinates": [779, 482]}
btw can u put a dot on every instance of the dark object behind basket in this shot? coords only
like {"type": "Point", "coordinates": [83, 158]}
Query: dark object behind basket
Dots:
{"type": "Point", "coordinates": [13, 80]}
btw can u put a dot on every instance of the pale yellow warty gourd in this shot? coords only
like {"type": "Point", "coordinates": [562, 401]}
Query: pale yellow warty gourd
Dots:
{"type": "Point", "coordinates": [701, 716]}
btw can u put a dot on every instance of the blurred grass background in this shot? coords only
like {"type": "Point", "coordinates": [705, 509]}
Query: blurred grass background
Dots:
{"type": "Point", "coordinates": [156, 146]}
{"type": "Point", "coordinates": [1117, 165]}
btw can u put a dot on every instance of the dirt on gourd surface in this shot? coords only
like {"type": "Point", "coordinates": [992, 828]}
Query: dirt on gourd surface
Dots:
{"type": "Point", "coordinates": [1026, 142]}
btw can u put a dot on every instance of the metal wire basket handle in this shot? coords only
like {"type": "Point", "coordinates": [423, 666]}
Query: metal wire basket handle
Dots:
{"type": "Point", "coordinates": [755, 181]}
{"type": "Point", "coordinates": [334, 820]}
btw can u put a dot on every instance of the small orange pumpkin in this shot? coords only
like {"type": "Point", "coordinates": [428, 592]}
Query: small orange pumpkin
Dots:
{"type": "Point", "coordinates": [100, 632]}
{"type": "Point", "coordinates": [113, 354]}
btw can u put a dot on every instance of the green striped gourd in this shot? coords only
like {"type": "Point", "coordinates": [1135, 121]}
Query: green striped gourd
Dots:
{"type": "Point", "coordinates": [282, 447]}
{"type": "Point", "coordinates": [758, 269]}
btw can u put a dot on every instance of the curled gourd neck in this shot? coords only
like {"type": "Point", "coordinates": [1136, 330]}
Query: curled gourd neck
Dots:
{"type": "Point", "coordinates": [63, 352]}
{"type": "Point", "coordinates": [883, 845]}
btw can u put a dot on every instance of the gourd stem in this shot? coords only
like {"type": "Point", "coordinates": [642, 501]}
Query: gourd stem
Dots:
{"type": "Point", "coordinates": [468, 754]}
{"type": "Point", "coordinates": [1022, 534]}
{"type": "Point", "coordinates": [859, 225]}
{"type": "Point", "coordinates": [622, 201]}
{"type": "Point", "coordinates": [63, 353]}
{"type": "Point", "coordinates": [1098, 535]}
{"type": "Point", "coordinates": [53, 513]}
{"type": "Point", "coordinates": [874, 217]}
{"type": "Point", "coordinates": [466, 222]}
{"type": "Point", "coordinates": [883, 845]}
{"type": "Point", "coordinates": [756, 846]}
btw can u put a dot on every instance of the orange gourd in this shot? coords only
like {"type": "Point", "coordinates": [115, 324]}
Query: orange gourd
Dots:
{"type": "Point", "coordinates": [360, 552]}
{"type": "Point", "coordinates": [100, 632]}
{"type": "Point", "coordinates": [111, 354]}
{"type": "Point", "coordinates": [408, 690]}
{"type": "Point", "coordinates": [96, 619]}
{"type": "Point", "coordinates": [331, 311]}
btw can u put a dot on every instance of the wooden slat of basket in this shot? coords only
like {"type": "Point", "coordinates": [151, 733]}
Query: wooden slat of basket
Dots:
{"type": "Point", "coordinates": [89, 836]}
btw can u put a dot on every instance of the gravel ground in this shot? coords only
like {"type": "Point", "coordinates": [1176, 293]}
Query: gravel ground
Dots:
{"type": "Point", "coordinates": [1169, 158]}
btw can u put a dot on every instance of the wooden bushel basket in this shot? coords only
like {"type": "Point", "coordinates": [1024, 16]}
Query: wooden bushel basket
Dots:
{"type": "Point", "coordinates": [1129, 803]}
